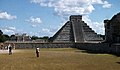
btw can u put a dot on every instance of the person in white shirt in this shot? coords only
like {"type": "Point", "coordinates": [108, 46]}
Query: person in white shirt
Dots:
{"type": "Point", "coordinates": [37, 51]}
{"type": "Point", "coordinates": [10, 49]}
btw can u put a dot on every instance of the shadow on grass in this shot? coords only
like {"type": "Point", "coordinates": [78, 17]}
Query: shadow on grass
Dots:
{"type": "Point", "coordinates": [98, 52]}
{"type": "Point", "coordinates": [90, 52]}
{"type": "Point", "coordinates": [118, 62]}
{"type": "Point", "coordinates": [118, 55]}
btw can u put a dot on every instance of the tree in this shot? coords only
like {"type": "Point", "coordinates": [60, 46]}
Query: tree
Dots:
{"type": "Point", "coordinates": [12, 36]}
{"type": "Point", "coordinates": [2, 38]}
{"type": "Point", "coordinates": [6, 36]}
{"type": "Point", "coordinates": [1, 32]}
{"type": "Point", "coordinates": [46, 37]}
{"type": "Point", "coordinates": [34, 37]}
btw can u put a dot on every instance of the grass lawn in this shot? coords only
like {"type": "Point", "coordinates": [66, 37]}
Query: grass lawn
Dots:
{"type": "Point", "coordinates": [58, 59]}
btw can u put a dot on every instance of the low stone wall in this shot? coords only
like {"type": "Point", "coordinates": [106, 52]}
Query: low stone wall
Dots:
{"type": "Point", "coordinates": [99, 47]}
{"type": "Point", "coordinates": [115, 48]}
{"type": "Point", "coordinates": [94, 47]}
{"type": "Point", "coordinates": [42, 45]}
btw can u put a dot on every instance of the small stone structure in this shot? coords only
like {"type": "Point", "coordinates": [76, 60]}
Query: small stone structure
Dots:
{"type": "Point", "coordinates": [22, 37]}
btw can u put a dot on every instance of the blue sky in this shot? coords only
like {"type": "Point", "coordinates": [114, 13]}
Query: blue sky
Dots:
{"type": "Point", "coordinates": [45, 17]}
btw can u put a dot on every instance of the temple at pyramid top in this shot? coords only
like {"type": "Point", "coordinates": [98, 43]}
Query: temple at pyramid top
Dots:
{"type": "Point", "coordinates": [75, 30]}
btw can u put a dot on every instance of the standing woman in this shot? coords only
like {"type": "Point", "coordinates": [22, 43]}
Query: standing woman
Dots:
{"type": "Point", "coordinates": [37, 51]}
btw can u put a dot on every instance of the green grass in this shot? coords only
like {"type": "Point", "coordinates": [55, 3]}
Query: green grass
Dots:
{"type": "Point", "coordinates": [58, 59]}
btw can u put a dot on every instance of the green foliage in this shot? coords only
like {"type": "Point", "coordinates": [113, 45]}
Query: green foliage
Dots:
{"type": "Point", "coordinates": [2, 38]}
{"type": "Point", "coordinates": [6, 36]}
{"type": "Point", "coordinates": [45, 37]}
{"type": "Point", "coordinates": [1, 32]}
{"type": "Point", "coordinates": [36, 37]}
{"type": "Point", "coordinates": [12, 36]}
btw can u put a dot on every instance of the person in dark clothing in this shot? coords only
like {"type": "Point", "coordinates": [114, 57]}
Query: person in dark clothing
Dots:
{"type": "Point", "coordinates": [10, 49]}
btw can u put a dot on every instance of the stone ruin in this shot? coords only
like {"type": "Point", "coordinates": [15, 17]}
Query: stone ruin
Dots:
{"type": "Point", "coordinates": [112, 29]}
{"type": "Point", "coordinates": [77, 34]}
{"type": "Point", "coordinates": [77, 31]}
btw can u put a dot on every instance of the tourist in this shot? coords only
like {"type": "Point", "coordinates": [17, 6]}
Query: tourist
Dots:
{"type": "Point", "coordinates": [10, 49]}
{"type": "Point", "coordinates": [37, 51]}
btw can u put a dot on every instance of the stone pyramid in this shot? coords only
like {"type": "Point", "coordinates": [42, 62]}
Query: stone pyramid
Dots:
{"type": "Point", "coordinates": [75, 30]}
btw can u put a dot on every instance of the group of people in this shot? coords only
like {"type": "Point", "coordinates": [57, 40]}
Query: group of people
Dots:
{"type": "Point", "coordinates": [4, 46]}
{"type": "Point", "coordinates": [10, 47]}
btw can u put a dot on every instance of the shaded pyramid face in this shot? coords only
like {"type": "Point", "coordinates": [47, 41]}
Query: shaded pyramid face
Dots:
{"type": "Point", "coordinates": [77, 31]}
{"type": "Point", "coordinates": [112, 29]}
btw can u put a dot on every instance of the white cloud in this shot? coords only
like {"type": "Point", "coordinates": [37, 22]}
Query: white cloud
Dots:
{"type": "Point", "coordinates": [34, 21]}
{"type": "Point", "coordinates": [96, 26]}
{"type": "Point", "coordinates": [107, 5]}
{"type": "Point", "coordinates": [65, 8]}
{"type": "Point", "coordinates": [5, 15]}
{"type": "Point", "coordinates": [34, 33]}
{"type": "Point", "coordinates": [34, 25]}
{"type": "Point", "coordinates": [49, 31]}
{"type": "Point", "coordinates": [45, 30]}
{"type": "Point", "coordinates": [12, 28]}
{"type": "Point", "coordinates": [8, 30]}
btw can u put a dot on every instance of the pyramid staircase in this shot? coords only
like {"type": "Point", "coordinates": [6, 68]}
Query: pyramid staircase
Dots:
{"type": "Point", "coordinates": [76, 31]}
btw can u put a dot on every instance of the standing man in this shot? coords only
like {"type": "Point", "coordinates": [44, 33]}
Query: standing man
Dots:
{"type": "Point", "coordinates": [37, 51]}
